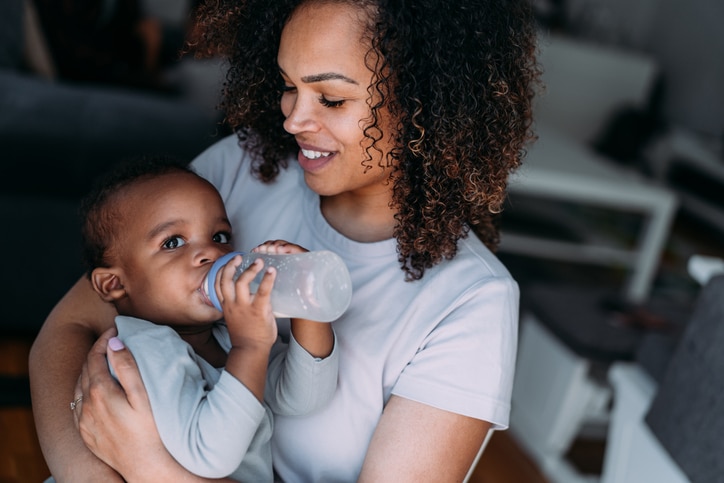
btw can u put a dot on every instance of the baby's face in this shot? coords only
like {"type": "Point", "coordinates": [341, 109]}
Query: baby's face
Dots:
{"type": "Point", "coordinates": [174, 228]}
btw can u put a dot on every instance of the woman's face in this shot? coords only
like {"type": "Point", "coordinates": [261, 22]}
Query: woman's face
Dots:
{"type": "Point", "coordinates": [325, 99]}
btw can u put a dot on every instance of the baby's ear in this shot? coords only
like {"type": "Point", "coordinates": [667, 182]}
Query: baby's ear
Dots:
{"type": "Point", "coordinates": [107, 283]}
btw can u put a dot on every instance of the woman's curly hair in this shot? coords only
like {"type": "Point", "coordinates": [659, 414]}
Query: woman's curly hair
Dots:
{"type": "Point", "coordinates": [457, 76]}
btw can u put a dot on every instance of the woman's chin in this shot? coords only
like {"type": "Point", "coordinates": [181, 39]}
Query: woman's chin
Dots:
{"type": "Point", "coordinates": [319, 186]}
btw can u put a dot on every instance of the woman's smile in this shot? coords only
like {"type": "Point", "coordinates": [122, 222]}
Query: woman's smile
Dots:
{"type": "Point", "coordinates": [312, 160]}
{"type": "Point", "coordinates": [315, 154]}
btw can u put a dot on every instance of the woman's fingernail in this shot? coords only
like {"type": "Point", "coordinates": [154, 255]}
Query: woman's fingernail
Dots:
{"type": "Point", "coordinates": [115, 344]}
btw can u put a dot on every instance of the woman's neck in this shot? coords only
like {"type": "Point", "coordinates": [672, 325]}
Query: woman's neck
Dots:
{"type": "Point", "coordinates": [362, 219]}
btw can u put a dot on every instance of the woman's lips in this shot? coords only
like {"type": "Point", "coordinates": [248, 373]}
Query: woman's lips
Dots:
{"type": "Point", "coordinates": [313, 160]}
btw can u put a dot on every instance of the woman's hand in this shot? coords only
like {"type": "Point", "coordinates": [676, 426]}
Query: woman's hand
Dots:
{"type": "Point", "coordinates": [278, 247]}
{"type": "Point", "coordinates": [115, 421]}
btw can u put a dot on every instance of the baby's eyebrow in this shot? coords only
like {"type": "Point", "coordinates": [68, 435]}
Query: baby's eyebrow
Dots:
{"type": "Point", "coordinates": [328, 76]}
{"type": "Point", "coordinates": [161, 227]}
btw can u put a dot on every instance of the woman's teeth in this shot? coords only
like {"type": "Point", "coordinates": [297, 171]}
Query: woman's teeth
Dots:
{"type": "Point", "coordinates": [314, 154]}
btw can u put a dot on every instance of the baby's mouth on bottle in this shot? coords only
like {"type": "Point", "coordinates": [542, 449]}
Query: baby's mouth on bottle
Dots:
{"type": "Point", "coordinates": [204, 291]}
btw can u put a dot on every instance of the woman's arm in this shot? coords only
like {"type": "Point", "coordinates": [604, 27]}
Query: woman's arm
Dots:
{"type": "Point", "coordinates": [415, 442]}
{"type": "Point", "coordinates": [56, 358]}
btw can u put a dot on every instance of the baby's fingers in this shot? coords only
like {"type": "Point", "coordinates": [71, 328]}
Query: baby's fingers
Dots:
{"type": "Point", "coordinates": [225, 285]}
{"type": "Point", "coordinates": [263, 293]}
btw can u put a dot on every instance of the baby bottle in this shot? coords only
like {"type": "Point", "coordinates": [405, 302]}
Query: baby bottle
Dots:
{"type": "Point", "coordinates": [314, 285]}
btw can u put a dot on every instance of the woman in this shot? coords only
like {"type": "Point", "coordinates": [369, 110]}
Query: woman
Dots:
{"type": "Point", "coordinates": [405, 121]}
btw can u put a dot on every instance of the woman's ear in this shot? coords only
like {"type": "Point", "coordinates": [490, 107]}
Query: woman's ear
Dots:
{"type": "Point", "coordinates": [107, 283]}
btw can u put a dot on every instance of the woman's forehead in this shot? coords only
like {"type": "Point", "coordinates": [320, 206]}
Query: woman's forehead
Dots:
{"type": "Point", "coordinates": [322, 38]}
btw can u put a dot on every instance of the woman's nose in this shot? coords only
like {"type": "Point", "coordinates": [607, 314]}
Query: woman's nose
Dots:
{"type": "Point", "coordinates": [302, 116]}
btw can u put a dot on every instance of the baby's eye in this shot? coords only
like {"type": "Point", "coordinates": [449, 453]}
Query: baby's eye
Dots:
{"type": "Point", "coordinates": [174, 242]}
{"type": "Point", "coordinates": [222, 237]}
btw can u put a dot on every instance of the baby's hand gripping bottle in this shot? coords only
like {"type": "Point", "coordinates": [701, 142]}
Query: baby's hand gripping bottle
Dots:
{"type": "Point", "coordinates": [313, 285]}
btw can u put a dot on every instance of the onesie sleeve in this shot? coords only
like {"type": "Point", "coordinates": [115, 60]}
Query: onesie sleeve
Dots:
{"type": "Point", "coordinates": [298, 383]}
{"type": "Point", "coordinates": [206, 425]}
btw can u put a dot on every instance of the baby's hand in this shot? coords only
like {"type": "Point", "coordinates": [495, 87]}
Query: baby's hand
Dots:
{"type": "Point", "coordinates": [248, 315]}
{"type": "Point", "coordinates": [251, 323]}
{"type": "Point", "coordinates": [278, 247]}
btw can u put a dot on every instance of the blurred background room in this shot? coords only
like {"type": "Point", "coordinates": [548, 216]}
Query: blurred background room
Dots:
{"type": "Point", "coordinates": [615, 231]}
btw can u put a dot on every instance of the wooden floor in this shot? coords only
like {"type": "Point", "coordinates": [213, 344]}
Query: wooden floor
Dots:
{"type": "Point", "coordinates": [504, 462]}
{"type": "Point", "coordinates": [21, 460]}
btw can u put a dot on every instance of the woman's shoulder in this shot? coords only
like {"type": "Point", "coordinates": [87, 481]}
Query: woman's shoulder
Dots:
{"type": "Point", "coordinates": [472, 253]}
{"type": "Point", "coordinates": [475, 279]}
{"type": "Point", "coordinates": [220, 156]}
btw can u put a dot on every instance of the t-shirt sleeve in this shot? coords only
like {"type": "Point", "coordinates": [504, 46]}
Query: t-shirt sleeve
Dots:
{"type": "Point", "coordinates": [193, 421]}
{"type": "Point", "coordinates": [466, 363]}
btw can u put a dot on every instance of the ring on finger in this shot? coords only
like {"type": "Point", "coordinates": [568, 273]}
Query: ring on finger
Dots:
{"type": "Point", "coordinates": [75, 402]}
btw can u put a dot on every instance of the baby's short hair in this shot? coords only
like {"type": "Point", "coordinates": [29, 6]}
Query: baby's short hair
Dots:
{"type": "Point", "coordinates": [99, 218]}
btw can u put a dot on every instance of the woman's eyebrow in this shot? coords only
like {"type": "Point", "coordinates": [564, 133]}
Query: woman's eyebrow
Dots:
{"type": "Point", "coordinates": [328, 76]}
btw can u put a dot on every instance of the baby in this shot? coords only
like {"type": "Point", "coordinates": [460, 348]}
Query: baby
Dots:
{"type": "Point", "coordinates": [152, 230]}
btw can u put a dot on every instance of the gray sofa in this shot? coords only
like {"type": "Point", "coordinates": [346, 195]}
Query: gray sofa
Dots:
{"type": "Point", "coordinates": [54, 140]}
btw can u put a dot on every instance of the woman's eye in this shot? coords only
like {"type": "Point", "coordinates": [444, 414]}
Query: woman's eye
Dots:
{"type": "Point", "coordinates": [222, 237]}
{"type": "Point", "coordinates": [174, 242]}
{"type": "Point", "coordinates": [329, 103]}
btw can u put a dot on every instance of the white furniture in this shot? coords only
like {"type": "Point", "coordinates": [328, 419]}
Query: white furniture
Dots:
{"type": "Point", "coordinates": [555, 395]}
{"type": "Point", "coordinates": [477, 457]}
{"type": "Point", "coordinates": [684, 160]}
{"type": "Point", "coordinates": [633, 454]}
{"type": "Point", "coordinates": [560, 168]}
{"type": "Point", "coordinates": [584, 85]}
